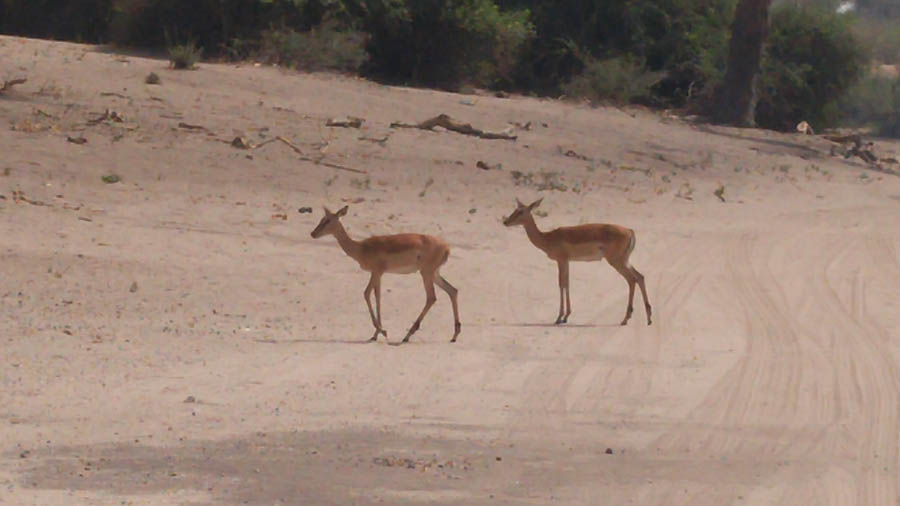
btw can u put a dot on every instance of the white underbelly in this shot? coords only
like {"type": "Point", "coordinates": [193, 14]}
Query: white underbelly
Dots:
{"type": "Point", "coordinates": [590, 257]}
{"type": "Point", "coordinates": [402, 269]}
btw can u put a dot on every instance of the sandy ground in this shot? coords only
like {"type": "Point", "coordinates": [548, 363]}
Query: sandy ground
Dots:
{"type": "Point", "coordinates": [171, 339]}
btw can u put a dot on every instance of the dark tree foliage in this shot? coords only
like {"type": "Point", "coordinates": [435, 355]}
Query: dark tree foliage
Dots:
{"type": "Point", "coordinates": [77, 20]}
{"type": "Point", "coordinates": [879, 8]}
{"type": "Point", "coordinates": [658, 52]}
{"type": "Point", "coordinates": [442, 43]}
{"type": "Point", "coordinates": [812, 60]}
{"type": "Point", "coordinates": [682, 37]}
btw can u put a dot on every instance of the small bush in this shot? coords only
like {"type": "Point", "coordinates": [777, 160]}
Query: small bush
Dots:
{"type": "Point", "coordinates": [152, 78]}
{"type": "Point", "coordinates": [185, 56]}
{"type": "Point", "coordinates": [620, 80]}
{"type": "Point", "coordinates": [323, 48]}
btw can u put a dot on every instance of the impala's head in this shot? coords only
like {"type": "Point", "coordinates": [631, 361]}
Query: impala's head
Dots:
{"type": "Point", "coordinates": [521, 210]}
{"type": "Point", "coordinates": [329, 223]}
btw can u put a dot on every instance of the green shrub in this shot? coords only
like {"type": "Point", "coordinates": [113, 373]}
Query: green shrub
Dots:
{"type": "Point", "coordinates": [812, 59]}
{"type": "Point", "coordinates": [686, 38]}
{"type": "Point", "coordinates": [443, 43]}
{"type": "Point", "coordinates": [323, 48]}
{"type": "Point", "coordinates": [620, 80]}
{"type": "Point", "coordinates": [874, 102]}
{"type": "Point", "coordinates": [214, 24]}
{"type": "Point", "coordinates": [185, 56]}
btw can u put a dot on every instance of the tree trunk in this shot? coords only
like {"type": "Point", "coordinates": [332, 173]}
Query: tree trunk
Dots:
{"type": "Point", "coordinates": [735, 100]}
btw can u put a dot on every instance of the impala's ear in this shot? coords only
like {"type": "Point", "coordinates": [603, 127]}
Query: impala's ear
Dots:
{"type": "Point", "coordinates": [327, 211]}
{"type": "Point", "coordinates": [535, 204]}
{"type": "Point", "coordinates": [342, 211]}
{"type": "Point", "coordinates": [519, 202]}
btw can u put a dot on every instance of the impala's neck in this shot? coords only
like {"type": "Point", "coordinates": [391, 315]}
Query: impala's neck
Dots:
{"type": "Point", "coordinates": [534, 234]}
{"type": "Point", "coordinates": [350, 247]}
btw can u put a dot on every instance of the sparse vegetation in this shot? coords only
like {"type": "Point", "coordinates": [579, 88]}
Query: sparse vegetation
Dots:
{"type": "Point", "coordinates": [152, 78]}
{"type": "Point", "coordinates": [185, 56]}
{"type": "Point", "coordinates": [619, 80]}
{"type": "Point", "coordinates": [361, 184]}
{"type": "Point", "coordinates": [874, 103]}
{"type": "Point", "coordinates": [324, 48]}
{"type": "Point", "coordinates": [541, 181]}
{"type": "Point", "coordinates": [720, 192]}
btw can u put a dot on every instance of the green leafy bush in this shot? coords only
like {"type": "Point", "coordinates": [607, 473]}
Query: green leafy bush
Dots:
{"type": "Point", "coordinates": [619, 80]}
{"type": "Point", "coordinates": [874, 103]}
{"type": "Point", "coordinates": [812, 59]}
{"type": "Point", "coordinates": [686, 38]}
{"type": "Point", "coordinates": [443, 43]}
{"type": "Point", "coordinates": [323, 48]}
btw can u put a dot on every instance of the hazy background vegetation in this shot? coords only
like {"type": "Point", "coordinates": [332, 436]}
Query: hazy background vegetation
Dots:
{"type": "Point", "coordinates": [661, 53]}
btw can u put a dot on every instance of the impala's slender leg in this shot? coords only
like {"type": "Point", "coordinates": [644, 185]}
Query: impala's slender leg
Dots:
{"type": "Point", "coordinates": [568, 301]}
{"type": "Point", "coordinates": [378, 305]}
{"type": "Point", "coordinates": [451, 291]}
{"type": "Point", "coordinates": [563, 288]}
{"type": "Point", "coordinates": [375, 284]}
{"type": "Point", "coordinates": [430, 299]}
{"type": "Point", "coordinates": [631, 279]}
{"type": "Point", "coordinates": [640, 282]}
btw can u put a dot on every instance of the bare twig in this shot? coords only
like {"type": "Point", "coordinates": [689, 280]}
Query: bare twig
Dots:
{"type": "Point", "coordinates": [188, 126]}
{"type": "Point", "coordinates": [241, 143]}
{"type": "Point", "coordinates": [114, 94]}
{"type": "Point", "coordinates": [377, 140]}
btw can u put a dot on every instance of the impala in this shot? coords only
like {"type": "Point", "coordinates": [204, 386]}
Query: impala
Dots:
{"type": "Point", "coordinates": [398, 254]}
{"type": "Point", "coordinates": [583, 243]}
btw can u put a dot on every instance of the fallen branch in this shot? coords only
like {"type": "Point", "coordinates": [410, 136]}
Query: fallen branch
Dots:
{"type": "Point", "coordinates": [348, 122]}
{"type": "Point", "coordinates": [107, 115]}
{"type": "Point", "coordinates": [9, 84]}
{"type": "Point", "coordinates": [485, 166]}
{"type": "Point", "coordinates": [114, 94]}
{"type": "Point", "coordinates": [444, 121]}
{"type": "Point", "coordinates": [845, 139]}
{"type": "Point", "coordinates": [380, 141]}
{"type": "Point", "coordinates": [188, 126]}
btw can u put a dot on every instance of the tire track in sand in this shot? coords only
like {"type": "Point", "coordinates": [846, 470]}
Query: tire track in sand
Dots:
{"type": "Point", "coordinates": [818, 390]}
{"type": "Point", "coordinates": [575, 383]}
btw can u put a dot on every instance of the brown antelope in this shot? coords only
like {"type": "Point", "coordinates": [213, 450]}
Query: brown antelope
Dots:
{"type": "Point", "coordinates": [398, 254]}
{"type": "Point", "coordinates": [583, 243]}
